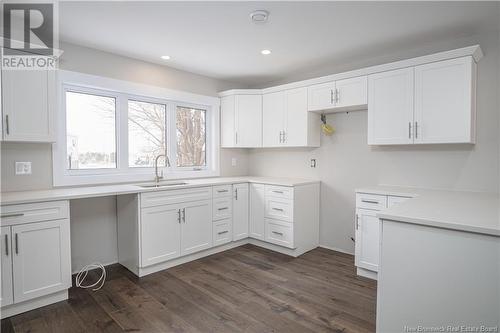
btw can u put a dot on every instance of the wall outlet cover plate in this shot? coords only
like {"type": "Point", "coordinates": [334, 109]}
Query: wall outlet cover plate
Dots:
{"type": "Point", "coordinates": [23, 168]}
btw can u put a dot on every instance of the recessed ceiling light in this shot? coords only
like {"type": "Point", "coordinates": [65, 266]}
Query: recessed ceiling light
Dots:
{"type": "Point", "coordinates": [259, 16]}
{"type": "Point", "coordinates": [265, 52]}
{"type": "Point", "coordinates": [165, 57]}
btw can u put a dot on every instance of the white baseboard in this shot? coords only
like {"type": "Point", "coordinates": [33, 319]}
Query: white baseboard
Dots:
{"type": "Point", "coordinates": [366, 273]}
{"type": "Point", "coordinates": [336, 249]}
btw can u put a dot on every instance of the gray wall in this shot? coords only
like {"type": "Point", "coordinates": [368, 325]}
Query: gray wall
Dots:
{"type": "Point", "coordinates": [346, 162]}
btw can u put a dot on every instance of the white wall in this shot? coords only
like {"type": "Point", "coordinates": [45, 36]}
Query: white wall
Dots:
{"type": "Point", "coordinates": [346, 162]}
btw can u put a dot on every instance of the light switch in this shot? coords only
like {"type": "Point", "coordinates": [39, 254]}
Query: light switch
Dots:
{"type": "Point", "coordinates": [23, 168]}
{"type": "Point", "coordinates": [234, 161]}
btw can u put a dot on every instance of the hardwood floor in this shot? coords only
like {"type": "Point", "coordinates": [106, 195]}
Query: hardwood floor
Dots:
{"type": "Point", "coordinates": [246, 289]}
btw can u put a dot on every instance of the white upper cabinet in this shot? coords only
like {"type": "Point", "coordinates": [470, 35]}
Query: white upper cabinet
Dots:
{"type": "Point", "coordinates": [444, 101]}
{"type": "Point", "coordinates": [286, 121]}
{"type": "Point", "coordinates": [390, 108]}
{"type": "Point", "coordinates": [431, 103]}
{"type": "Point", "coordinates": [28, 102]}
{"type": "Point", "coordinates": [241, 120]}
{"type": "Point", "coordinates": [336, 96]}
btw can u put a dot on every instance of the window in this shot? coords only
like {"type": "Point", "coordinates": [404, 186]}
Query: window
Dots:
{"type": "Point", "coordinates": [191, 137]}
{"type": "Point", "coordinates": [112, 131]}
{"type": "Point", "coordinates": [146, 133]}
{"type": "Point", "coordinates": [90, 131]}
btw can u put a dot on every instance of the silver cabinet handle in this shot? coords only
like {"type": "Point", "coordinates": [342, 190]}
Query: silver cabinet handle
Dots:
{"type": "Point", "coordinates": [409, 130]}
{"type": "Point", "coordinates": [7, 127]}
{"type": "Point", "coordinates": [278, 233]}
{"type": "Point", "coordinates": [369, 201]}
{"type": "Point", "coordinates": [17, 244]}
{"type": "Point", "coordinates": [236, 194]}
{"type": "Point", "coordinates": [337, 96]}
{"type": "Point", "coordinates": [12, 215]}
{"type": "Point", "coordinates": [6, 245]}
{"type": "Point", "coordinates": [280, 192]}
{"type": "Point", "coordinates": [284, 136]}
{"type": "Point", "coordinates": [331, 96]}
{"type": "Point", "coordinates": [236, 137]}
{"type": "Point", "coordinates": [179, 216]}
{"type": "Point", "coordinates": [416, 130]}
{"type": "Point", "coordinates": [184, 215]}
{"type": "Point", "coordinates": [222, 232]}
{"type": "Point", "coordinates": [223, 208]}
{"type": "Point", "coordinates": [357, 222]}
{"type": "Point", "coordinates": [278, 209]}
{"type": "Point", "coordinates": [221, 191]}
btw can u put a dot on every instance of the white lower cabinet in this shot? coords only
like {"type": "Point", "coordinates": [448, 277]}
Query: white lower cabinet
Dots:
{"type": "Point", "coordinates": [35, 255]}
{"type": "Point", "coordinates": [196, 229]}
{"type": "Point", "coordinates": [222, 232]}
{"type": "Point", "coordinates": [256, 213]}
{"type": "Point", "coordinates": [279, 233]}
{"type": "Point", "coordinates": [7, 292]}
{"type": "Point", "coordinates": [240, 211]}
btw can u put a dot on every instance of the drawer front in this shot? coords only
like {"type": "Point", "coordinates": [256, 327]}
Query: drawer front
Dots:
{"type": "Point", "coordinates": [283, 192]}
{"type": "Point", "coordinates": [222, 232]}
{"type": "Point", "coordinates": [222, 191]}
{"type": "Point", "coordinates": [279, 209]}
{"type": "Point", "coordinates": [392, 200]}
{"type": "Point", "coordinates": [371, 201]}
{"type": "Point", "coordinates": [222, 208]}
{"type": "Point", "coordinates": [34, 212]}
{"type": "Point", "coordinates": [158, 198]}
{"type": "Point", "coordinates": [279, 233]}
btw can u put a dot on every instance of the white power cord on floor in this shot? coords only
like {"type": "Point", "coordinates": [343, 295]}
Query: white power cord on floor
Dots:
{"type": "Point", "coordinates": [82, 274]}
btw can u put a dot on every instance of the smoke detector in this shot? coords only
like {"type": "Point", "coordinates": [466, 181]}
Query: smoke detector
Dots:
{"type": "Point", "coordinates": [259, 16]}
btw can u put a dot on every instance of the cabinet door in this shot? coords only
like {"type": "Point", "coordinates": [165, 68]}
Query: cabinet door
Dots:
{"type": "Point", "coordinates": [196, 229]}
{"type": "Point", "coordinates": [390, 107]}
{"type": "Point", "coordinates": [227, 121]}
{"type": "Point", "coordinates": [6, 267]}
{"type": "Point", "coordinates": [41, 258]}
{"type": "Point", "coordinates": [27, 105]}
{"type": "Point", "coordinates": [296, 118]}
{"type": "Point", "coordinates": [256, 213]}
{"type": "Point", "coordinates": [320, 96]}
{"type": "Point", "coordinates": [240, 211]}
{"type": "Point", "coordinates": [248, 120]}
{"type": "Point", "coordinates": [160, 234]}
{"type": "Point", "coordinates": [367, 239]}
{"type": "Point", "coordinates": [444, 102]}
{"type": "Point", "coordinates": [351, 92]}
{"type": "Point", "coordinates": [273, 109]}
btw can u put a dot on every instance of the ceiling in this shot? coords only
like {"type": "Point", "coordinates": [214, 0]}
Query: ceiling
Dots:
{"type": "Point", "coordinates": [218, 39]}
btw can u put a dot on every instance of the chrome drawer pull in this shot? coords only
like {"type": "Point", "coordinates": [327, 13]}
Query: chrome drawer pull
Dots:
{"type": "Point", "coordinates": [179, 216]}
{"type": "Point", "coordinates": [222, 232]}
{"type": "Point", "coordinates": [223, 208]}
{"type": "Point", "coordinates": [278, 233]}
{"type": "Point", "coordinates": [369, 201]}
{"type": "Point", "coordinates": [280, 192]}
{"type": "Point", "coordinates": [12, 215]}
{"type": "Point", "coordinates": [222, 191]}
{"type": "Point", "coordinates": [278, 209]}
{"type": "Point", "coordinates": [17, 244]}
{"type": "Point", "coordinates": [6, 245]}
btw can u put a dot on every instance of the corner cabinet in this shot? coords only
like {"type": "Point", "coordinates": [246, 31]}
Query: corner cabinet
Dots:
{"type": "Point", "coordinates": [28, 105]}
{"type": "Point", "coordinates": [241, 119]}
{"type": "Point", "coordinates": [430, 103]}
{"type": "Point", "coordinates": [286, 121]}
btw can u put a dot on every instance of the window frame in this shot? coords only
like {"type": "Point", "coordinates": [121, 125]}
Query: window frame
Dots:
{"type": "Point", "coordinates": [123, 91]}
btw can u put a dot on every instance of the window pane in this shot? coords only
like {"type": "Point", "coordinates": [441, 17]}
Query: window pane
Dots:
{"type": "Point", "coordinates": [191, 137]}
{"type": "Point", "coordinates": [90, 131]}
{"type": "Point", "coordinates": [146, 133]}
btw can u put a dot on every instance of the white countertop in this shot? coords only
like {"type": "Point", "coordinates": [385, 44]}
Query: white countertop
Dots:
{"type": "Point", "coordinates": [79, 192]}
{"type": "Point", "coordinates": [476, 212]}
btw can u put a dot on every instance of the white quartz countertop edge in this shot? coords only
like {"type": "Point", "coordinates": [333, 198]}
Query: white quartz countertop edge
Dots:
{"type": "Point", "coordinates": [477, 212]}
{"type": "Point", "coordinates": [80, 192]}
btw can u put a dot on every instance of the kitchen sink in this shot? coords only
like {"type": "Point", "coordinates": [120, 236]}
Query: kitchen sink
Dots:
{"type": "Point", "coordinates": [161, 184]}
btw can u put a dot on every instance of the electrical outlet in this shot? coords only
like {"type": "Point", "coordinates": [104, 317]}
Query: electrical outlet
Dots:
{"type": "Point", "coordinates": [234, 161]}
{"type": "Point", "coordinates": [23, 168]}
{"type": "Point", "coordinates": [313, 162]}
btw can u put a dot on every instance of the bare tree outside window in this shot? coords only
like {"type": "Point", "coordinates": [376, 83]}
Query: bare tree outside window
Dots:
{"type": "Point", "coordinates": [146, 133]}
{"type": "Point", "coordinates": [191, 137]}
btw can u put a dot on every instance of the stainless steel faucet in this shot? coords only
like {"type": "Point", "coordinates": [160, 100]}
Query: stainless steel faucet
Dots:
{"type": "Point", "coordinates": [160, 176]}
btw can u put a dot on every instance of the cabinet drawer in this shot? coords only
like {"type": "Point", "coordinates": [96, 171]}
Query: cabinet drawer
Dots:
{"type": "Point", "coordinates": [222, 191]}
{"type": "Point", "coordinates": [157, 198]}
{"type": "Point", "coordinates": [279, 191]}
{"type": "Point", "coordinates": [279, 233]}
{"type": "Point", "coordinates": [222, 208]}
{"type": "Point", "coordinates": [392, 200]}
{"type": "Point", "coordinates": [222, 232]}
{"type": "Point", "coordinates": [371, 201]}
{"type": "Point", "coordinates": [34, 212]}
{"type": "Point", "coordinates": [279, 209]}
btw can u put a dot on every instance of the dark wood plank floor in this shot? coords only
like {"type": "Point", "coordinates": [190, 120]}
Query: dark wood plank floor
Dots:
{"type": "Point", "coordinates": [246, 289]}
